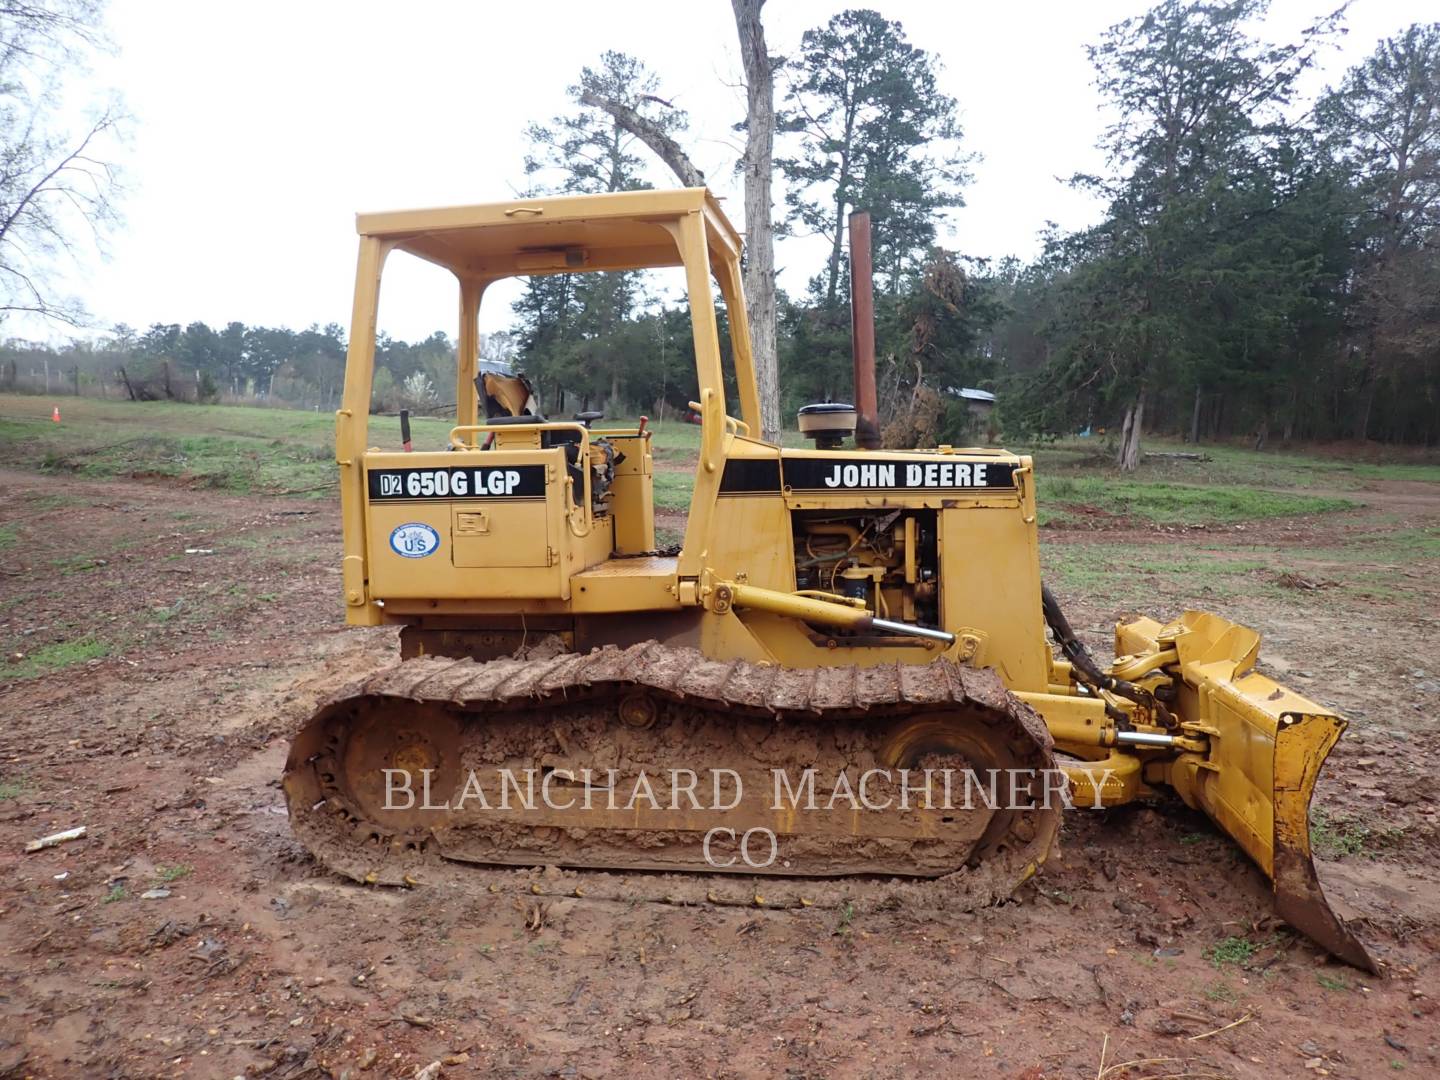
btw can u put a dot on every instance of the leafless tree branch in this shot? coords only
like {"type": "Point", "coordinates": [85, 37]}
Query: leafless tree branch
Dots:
{"type": "Point", "coordinates": [651, 134]}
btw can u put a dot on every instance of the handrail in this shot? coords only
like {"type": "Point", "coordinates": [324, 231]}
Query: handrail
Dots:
{"type": "Point", "coordinates": [733, 425]}
{"type": "Point", "coordinates": [582, 506]}
{"type": "Point", "coordinates": [1022, 480]}
{"type": "Point", "coordinates": [547, 425]}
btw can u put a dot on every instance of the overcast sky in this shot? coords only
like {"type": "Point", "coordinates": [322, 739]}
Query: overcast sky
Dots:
{"type": "Point", "coordinates": [261, 128]}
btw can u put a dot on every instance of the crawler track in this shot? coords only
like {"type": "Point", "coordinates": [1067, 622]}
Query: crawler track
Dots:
{"type": "Point", "coordinates": [586, 760]}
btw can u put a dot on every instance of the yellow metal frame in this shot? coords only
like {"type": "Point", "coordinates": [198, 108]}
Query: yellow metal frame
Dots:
{"type": "Point", "coordinates": [484, 243]}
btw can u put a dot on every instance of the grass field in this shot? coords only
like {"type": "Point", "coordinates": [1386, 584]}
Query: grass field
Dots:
{"type": "Point", "coordinates": [278, 451]}
{"type": "Point", "coordinates": [1172, 503]}
{"type": "Point", "coordinates": [244, 450]}
{"type": "Point", "coordinates": [223, 447]}
{"type": "Point", "coordinates": [1337, 470]}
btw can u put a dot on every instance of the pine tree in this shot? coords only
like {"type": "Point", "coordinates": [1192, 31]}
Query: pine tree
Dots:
{"type": "Point", "coordinates": [1382, 124]}
{"type": "Point", "coordinates": [871, 130]}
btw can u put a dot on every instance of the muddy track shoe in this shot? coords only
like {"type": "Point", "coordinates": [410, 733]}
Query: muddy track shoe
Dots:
{"type": "Point", "coordinates": [654, 758]}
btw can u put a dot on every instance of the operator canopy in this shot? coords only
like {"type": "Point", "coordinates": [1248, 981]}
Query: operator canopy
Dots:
{"type": "Point", "coordinates": [620, 231]}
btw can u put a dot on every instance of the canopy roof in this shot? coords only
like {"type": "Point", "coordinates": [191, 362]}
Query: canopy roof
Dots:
{"type": "Point", "coordinates": [554, 235]}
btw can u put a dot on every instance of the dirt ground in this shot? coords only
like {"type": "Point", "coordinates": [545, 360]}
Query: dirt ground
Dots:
{"type": "Point", "coordinates": [246, 959]}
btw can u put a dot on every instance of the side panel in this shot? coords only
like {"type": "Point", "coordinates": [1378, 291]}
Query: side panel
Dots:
{"type": "Point", "coordinates": [990, 582]}
{"type": "Point", "coordinates": [440, 525]}
{"type": "Point", "coordinates": [753, 541]}
{"type": "Point", "coordinates": [505, 535]}
{"type": "Point", "coordinates": [633, 504]}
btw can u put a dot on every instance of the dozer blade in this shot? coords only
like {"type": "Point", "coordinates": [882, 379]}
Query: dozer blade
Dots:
{"type": "Point", "coordinates": [1267, 745]}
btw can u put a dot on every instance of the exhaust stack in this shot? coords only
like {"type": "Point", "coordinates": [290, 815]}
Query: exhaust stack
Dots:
{"type": "Point", "coordinates": [862, 332]}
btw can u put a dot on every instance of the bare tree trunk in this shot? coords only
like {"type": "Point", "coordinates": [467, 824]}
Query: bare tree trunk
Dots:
{"type": "Point", "coordinates": [1128, 459]}
{"type": "Point", "coordinates": [759, 221]}
{"type": "Point", "coordinates": [126, 380]}
{"type": "Point", "coordinates": [1195, 417]}
{"type": "Point", "coordinates": [1367, 405]}
{"type": "Point", "coordinates": [1366, 402]}
{"type": "Point", "coordinates": [832, 286]}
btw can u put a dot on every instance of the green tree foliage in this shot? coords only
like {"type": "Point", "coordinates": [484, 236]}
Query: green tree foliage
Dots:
{"type": "Point", "coordinates": [1024, 299]}
{"type": "Point", "coordinates": [866, 126]}
{"type": "Point", "coordinates": [869, 128]}
{"type": "Point", "coordinates": [1382, 127]}
{"type": "Point", "coordinates": [1198, 276]}
{"type": "Point", "coordinates": [1264, 266]}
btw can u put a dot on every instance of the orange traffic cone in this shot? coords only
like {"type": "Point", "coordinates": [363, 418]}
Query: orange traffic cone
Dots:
{"type": "Point", "coordinates": [55, 416]}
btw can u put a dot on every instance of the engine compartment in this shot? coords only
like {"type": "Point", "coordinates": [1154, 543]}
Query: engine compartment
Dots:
{"type": "Point", "coordinates": [887, 558]}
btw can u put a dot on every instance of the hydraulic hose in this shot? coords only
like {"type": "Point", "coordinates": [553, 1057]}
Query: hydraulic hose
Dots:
{"type": "Point", "coordinates": [1089, 672]}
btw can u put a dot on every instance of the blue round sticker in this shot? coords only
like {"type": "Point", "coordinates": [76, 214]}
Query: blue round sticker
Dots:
{"type": "Point", "coordinates": [414, 540]}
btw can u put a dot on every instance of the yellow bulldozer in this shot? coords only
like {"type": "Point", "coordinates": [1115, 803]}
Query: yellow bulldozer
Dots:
{"type": "Point", "coordinates": [843, 669]}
